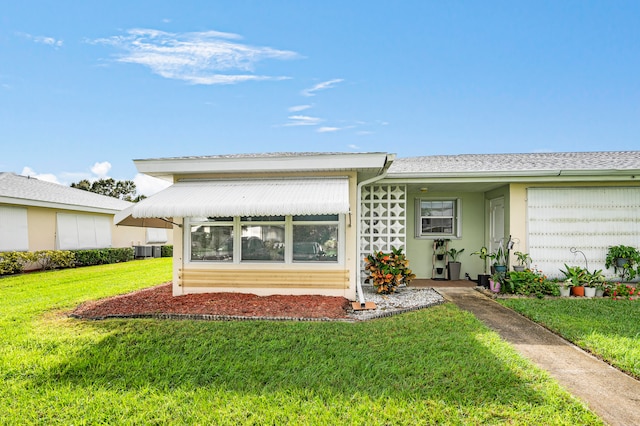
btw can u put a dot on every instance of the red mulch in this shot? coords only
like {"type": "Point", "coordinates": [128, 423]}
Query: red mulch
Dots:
{"type": "Point", "coordinates": [159, 300]}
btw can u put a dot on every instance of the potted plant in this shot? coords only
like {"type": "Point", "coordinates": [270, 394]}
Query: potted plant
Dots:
{"type": "Point", "coordinates": [388, 270]}
{"type": "Point", "coordinates": [523, 261]}
{"type": "Point", "coordinates": [495, 282]}
{"type": "Point", "coordinates": [624, 260]}
{"type": "Point", "coordinates": [500, 260]}
{"type": "Point", "coordinates": [594, 281]}
{"type": "Point", "coordinates": [565, 288]}
{"type": "Point", "coordinates": [454, 265]}
{"type": "Point", "coordinates": [440, 248]}
{"type": "Point", "coordinates": [576, 277]}
{"type": "Point", "coordinates": [484, 255]}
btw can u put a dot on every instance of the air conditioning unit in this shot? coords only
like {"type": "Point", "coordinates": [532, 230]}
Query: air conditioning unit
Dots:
{"type": "Point", "coordinates": [142, 251]}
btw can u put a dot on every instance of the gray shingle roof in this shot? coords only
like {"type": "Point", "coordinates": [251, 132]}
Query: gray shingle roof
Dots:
{"type": "Point", "coordinates": [31, 191]}
{"type": "Point", "coordinates": [525, 163]}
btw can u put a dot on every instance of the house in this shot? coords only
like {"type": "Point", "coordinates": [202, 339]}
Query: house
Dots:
{"type": "Point", "coordinates": [39, 215]}
{"type": "Point", "coordinates": [300, 223]}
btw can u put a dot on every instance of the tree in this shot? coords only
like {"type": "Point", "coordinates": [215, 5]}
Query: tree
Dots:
{"type": "Point", "coordinates": [122, 189]}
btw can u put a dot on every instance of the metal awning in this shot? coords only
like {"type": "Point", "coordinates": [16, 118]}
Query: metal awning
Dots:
{"type": "Point", "coordinates": [245, 197]}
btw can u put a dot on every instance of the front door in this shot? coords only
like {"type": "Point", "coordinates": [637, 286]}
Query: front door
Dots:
{"type": "Point", "coordinates": [496, 223]}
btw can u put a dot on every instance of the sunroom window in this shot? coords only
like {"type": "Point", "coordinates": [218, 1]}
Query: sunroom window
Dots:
{"type": "Point", "coordinates": [268, 239]}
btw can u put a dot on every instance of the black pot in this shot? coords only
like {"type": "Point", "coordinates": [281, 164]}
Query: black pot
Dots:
{"type": "Point", "coordinates": [483, 280]}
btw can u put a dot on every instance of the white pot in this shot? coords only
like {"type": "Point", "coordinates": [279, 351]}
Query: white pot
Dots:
{"type": "Point", "coordinates": [589, 292]}
{"type": "Point", "coordinates": [565, 291]}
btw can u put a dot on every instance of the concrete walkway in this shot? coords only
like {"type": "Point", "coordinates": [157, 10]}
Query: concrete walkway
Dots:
{"type": "Point", "coordinates": [611, 394]}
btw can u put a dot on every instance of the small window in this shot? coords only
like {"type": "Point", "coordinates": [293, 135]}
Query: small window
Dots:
{"type": "Point", "coordinates": [438, 218]}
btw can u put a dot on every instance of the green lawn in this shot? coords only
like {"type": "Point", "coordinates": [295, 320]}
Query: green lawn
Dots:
{"type": "Point", "coordinates": [610, 329]}
{"type": "Point", "coordinates": [435, 366]}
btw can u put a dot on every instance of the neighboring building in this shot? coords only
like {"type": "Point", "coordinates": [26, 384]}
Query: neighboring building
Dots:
{"type": "Point", "coordinates": [38, 215]}
{"type": "Point", "coordinates": [300, 223]}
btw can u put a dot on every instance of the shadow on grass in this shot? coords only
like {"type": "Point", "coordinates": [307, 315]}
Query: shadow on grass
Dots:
{"type": "Point", "coordinates": [433, 354]}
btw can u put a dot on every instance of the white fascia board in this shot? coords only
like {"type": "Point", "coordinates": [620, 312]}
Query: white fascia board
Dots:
{"type": "Point", "coordinates": [174, 166]}
{"type": "Point", "coordinates": [51, 205]}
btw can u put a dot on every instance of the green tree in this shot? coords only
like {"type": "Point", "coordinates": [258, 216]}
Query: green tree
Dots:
{"type": "Point", "coordinates": [122, 189]}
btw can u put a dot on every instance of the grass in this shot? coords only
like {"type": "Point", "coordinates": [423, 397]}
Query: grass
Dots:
{"type": "Point", "coordinates": [435, 366]}
{"type": "Point", "coordinates": [610, 329]}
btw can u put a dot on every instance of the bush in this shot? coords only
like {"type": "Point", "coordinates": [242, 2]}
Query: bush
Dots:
{"type": "Point", "coordinates": [388, 270]}
{"type": "Point", "coordinates": [54, 259]}
{"type": "Point", "coordinates": [102, 256]}
{"type": "Point", "coordinates": [166, 251]}
{"type": "Point", "coordinates": [529, 282]}
{"type": "Point", "coordinates": [12, 262]}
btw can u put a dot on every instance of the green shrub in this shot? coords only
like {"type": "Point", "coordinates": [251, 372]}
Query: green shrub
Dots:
{"type": "Point", "coordinates": [166, 251]}
{"type": "Point", "coordinates": [529, 282]}
{"type": "Point", "coordinates": [12, 262]}
{"type": "Point", "coordinates": [54, 259]}
{"type": "Point", "coordinates": [103, 256]}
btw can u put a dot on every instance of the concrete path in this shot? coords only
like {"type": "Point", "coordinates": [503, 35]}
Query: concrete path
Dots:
{"type": "Point", "coordinates": [611, 394]}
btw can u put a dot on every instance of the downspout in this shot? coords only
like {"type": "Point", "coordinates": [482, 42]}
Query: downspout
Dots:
{"type": "Point", "coordinates": [385, 169]}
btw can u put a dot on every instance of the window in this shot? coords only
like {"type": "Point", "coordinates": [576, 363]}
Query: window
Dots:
{"type": "Point", "coordinates": [270, 239]}
{"type": "Point", "coordinates": [14, 230]}
{"type": "Point", "coordinates": [211, 239]}
{"type": "Point", "coordinates": [315, 238]}
{"type": "Point", "coordinates": [263, 238]}
{"type": "Point", "coordinates": [438, 218]}
{"type": "Point", "coordinates": [82, 231]}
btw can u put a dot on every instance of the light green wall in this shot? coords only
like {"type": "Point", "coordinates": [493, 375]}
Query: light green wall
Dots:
{"type": "Point", "coordinates": [419, 251]}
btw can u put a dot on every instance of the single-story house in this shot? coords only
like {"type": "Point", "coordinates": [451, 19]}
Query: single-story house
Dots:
{"type": "Point", "coordinates": [38, 215]}
{"type": "Point", "coordinates": [301, 223]}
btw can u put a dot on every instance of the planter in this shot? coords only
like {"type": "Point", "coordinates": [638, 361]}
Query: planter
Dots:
{"type": "Point", "coordinates": [599, 292]}
{"type": "Point", "coordinates": [621, 261]}
{"type": "Point", "coordinates": [518, 268]}
{"type": "Point", "coordinates": [500, 268]}
{"type": "Point", "coordinates": [565, 291]}
{"type": "Point", "coordinates": [483, 280]}
{"type": "Point", "coordinates": [439, 271]}
{"type": "Point", "coordinates": [440, 256]}
{"type": "Point", "coordinates": [589, 292]}
{"type": "Point", "coordinates": [578, 290]}
{"type": "Point", "coordinates": [454, 270]}
{"type": "Point", "coordinates": [494, 286]}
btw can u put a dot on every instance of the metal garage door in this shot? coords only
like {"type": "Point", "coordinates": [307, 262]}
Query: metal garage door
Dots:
{"type": "Point", "coordinates": [587, 219]}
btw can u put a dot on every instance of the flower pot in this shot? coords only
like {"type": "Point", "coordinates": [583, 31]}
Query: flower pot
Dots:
{"type": "Point", "coordinates": [500, 268]}
{"type": "Point", "coordinates": [494, 286]}
{"type": "Point", "coordinates": [589, 292]}
{"type": "Point", "coordinates": [518, 268]}
{"type": "Point", "coordinates": [565, 291]}
{"type": "Point", "coordinates": [440, 256]}
{"type": "Point", "coordinates": [439, 271]}
{"type": "Point", "coordinates": [621, 261]}
{"type": "Point", "coordinates": [578, 291]}
{"type": "Point", "coordinates": [483, 280]}
{"type": "Point", "coordinates": [599, 292]}
{"type": "Point", "coordinates": [454, 270]}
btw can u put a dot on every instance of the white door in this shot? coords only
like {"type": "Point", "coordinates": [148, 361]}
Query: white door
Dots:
{"type": "Point", "coordinates": [496, 223]}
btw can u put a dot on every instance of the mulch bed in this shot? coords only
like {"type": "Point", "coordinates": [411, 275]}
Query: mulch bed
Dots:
{"type": "Point", "coordinates": [159, 302]}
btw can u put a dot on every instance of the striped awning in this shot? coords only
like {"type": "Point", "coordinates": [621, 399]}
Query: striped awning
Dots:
{"type": "Point", "coordinates": [246, 197]}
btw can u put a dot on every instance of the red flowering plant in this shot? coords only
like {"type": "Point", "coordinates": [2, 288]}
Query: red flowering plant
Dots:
{"type": "Point", "coordinates": [623, 291]}
{"type": "Point", "coordinates": [388, 270]}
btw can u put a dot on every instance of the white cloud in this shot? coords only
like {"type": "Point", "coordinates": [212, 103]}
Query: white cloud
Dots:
{"type": "Point", "coordinates": [101, 169]}
{"type": "Point", "coordinates": [364, 132]}
{"type": "Point", "coordinates": [147, 185]}
{"type": "Point", "coordinates": [49, 41]}
{"type": "Point", "coordinates": [298, 108]}
{"type": "Point", "coordinates": [209, 57]}
{"type": "Point", "coordinates": [303, 120]}
{"type": "Point", "coordinates": [28, 171]}
{"type": "Point", "coordinates": [322, 86]}
{"type": "Point", "coordinates": [328, 129]}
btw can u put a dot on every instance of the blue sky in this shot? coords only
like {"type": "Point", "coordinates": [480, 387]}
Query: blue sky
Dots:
{"type": "Point", "coordinates": [86, 87]}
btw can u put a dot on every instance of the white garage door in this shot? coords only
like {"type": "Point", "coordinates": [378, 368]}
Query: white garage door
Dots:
{"type": "Point", "coordinates": [587, 219]}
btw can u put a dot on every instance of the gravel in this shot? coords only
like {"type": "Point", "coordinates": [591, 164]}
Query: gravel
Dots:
{"type": "Point", "coordinates": [403, 300]}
